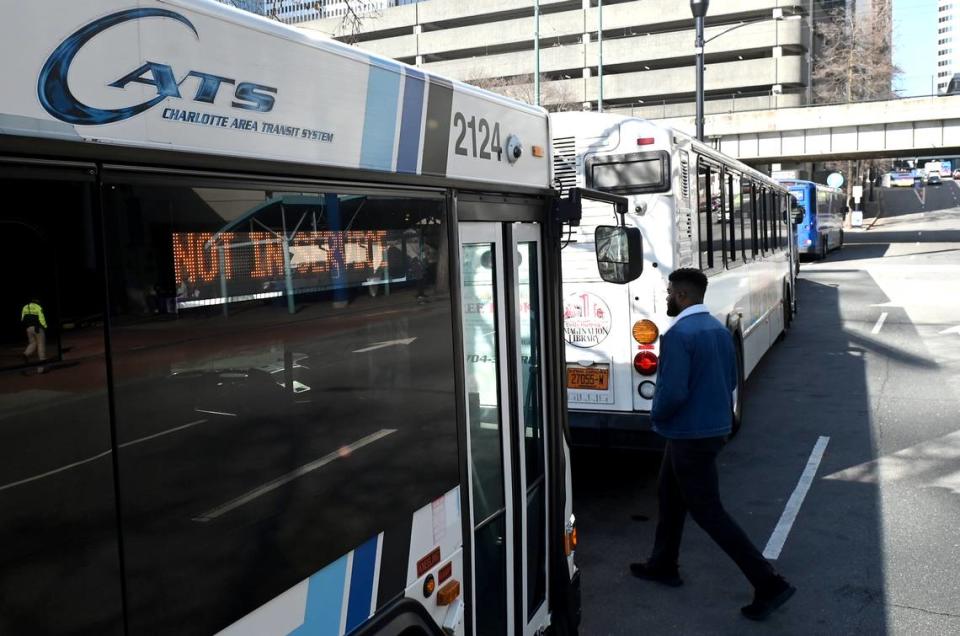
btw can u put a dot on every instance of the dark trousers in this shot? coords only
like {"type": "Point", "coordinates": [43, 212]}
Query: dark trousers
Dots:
{"type": "Point", "coordinates": [688, 483]}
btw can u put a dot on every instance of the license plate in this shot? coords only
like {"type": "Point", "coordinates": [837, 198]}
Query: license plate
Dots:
{"type": "Point", "coordinates": [596, 378]}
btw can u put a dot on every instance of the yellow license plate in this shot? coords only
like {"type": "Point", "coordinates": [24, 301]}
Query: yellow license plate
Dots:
{"type": "Point", "coordinates": [595, 378]}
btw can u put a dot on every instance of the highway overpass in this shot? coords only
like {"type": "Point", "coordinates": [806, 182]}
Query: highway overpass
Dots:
{"type": "Point", "coordinates": [917, 126]}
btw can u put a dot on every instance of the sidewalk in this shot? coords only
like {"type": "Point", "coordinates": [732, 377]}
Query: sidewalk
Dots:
{"type": "Point", "coordinates": [872, 210]}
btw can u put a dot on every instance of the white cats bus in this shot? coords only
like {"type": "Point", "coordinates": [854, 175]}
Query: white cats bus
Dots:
{"type": "Point", "coordinates": [305, 355]}
{"type": "Point", "coordinates": [695, 208]}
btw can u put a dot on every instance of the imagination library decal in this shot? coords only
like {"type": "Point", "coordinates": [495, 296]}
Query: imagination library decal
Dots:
{"type": "Point", "coordinates": [586, 320]}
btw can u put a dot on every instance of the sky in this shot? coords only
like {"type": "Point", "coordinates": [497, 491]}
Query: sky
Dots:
{"type": "Point", "coordinates": [915, 46]}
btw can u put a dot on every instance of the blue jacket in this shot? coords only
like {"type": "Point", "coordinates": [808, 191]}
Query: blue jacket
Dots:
{"type": "Point", "coordinates": [697, 376]}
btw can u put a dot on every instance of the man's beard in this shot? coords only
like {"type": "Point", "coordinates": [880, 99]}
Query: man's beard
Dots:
{"type": "Point", "coordinates": [672, 310]}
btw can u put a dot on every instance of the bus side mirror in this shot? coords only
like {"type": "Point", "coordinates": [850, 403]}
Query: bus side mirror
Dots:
{"type": "Point", "coordinates": [619, 253]}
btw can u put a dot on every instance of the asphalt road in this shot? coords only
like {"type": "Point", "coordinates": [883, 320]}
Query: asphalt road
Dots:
{"type": "Point", "coordinates": [873, 363]}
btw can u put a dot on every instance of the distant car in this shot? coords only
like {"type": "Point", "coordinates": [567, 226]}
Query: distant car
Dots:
{"type": "Point", "coordinates": [901, 179]}
{"type": "Point", "coordinates": [956, 174]}
{"type": "Point", "coordinates": [933, 179]}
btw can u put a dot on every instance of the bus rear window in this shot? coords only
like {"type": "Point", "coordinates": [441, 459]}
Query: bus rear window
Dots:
{"type": "Point", "coordinates": [627, 174]}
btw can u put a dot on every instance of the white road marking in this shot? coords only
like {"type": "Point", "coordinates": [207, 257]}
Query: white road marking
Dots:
{"type": "Point", "coordinates": [296, 473]}
{"type": "Point", "coordinates": [49, 473]}
{"type": "Point", "coordinates": [780, 533]}
{"type": "Point", "coordinates": [161, 433]}
{"type": "Point", "coordinates": [55, 471]}
{"type": "Point", "coordinates": [934, 464]}
{"type": "Point", "coordinates": [877, 327]}
{"type": "Point", "coordinates": [386, 343]}
{"type": "Point", "coordinates": [215, 412]}
{"type": "Point", "coordinates": [951, 330]}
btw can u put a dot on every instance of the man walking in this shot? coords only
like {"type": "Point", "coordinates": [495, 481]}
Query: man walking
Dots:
{"type": "Point", "coordinates": [35, 323]}
{"type": "Point", "coordinates": [692, 409]}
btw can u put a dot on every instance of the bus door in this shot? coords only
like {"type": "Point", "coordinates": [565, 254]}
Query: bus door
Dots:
{"type": "Point", "coordinates": [501, 283]}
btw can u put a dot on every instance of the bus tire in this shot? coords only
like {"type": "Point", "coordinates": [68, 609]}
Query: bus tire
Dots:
{"type": "Point", "coordinates": [840, 247]}
{"type": "Point", "coordinates": [824, 247]}
{"type": "Point", "coordinates": [787, 313]}
{"type": "Point", "coordinates": [737, 419]}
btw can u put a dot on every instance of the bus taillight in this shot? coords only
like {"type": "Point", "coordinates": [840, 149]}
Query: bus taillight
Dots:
{"type": "Point", "coordinates": [645, 363]}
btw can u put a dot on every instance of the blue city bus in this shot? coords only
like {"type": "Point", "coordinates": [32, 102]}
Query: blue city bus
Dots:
{"type": "Point", "coordinates": [821, 229]}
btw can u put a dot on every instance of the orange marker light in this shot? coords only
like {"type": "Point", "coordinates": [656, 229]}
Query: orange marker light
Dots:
{"type": "Point", "coordinates": [645, 331]}
{"type": "Point", "coordinates": [429, 586]}
{"type": "Point", "coordinates": [537, 151]}
{"type": "Point", "coordinates": [570, 541]}
{"type": "Point", "coordinates": [449, 592]}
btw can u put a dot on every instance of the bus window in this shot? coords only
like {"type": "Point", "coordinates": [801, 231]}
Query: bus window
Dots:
{"type": "Point", "coordinates": [764, 220]}
{"type": "Point", "coordinates": [748, 220]}
{"type": "Point", "coordinates": [717, 216]}
{"type": "Point", "coordinates": [772, 216]}
{"type": "Point", "coordinates": [733, 212]}
{"type": "Point", "coordinates": [703, 215]}
{"type": "Point", "coordinates": [58, 534]}
{"type": "Point", "coordinates": [630, 174]}
{"type": "Point", "coordinates": [276, 347]}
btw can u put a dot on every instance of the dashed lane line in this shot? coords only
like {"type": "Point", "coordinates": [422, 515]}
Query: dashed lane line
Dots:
{"type": "Point", "coordinates": [782, 531]}
{"type": "Point", "coordinates": [877, 327]}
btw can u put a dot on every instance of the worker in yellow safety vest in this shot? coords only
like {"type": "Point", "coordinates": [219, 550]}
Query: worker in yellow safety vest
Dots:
{"type": "Point", "coordinates": [33, 320]}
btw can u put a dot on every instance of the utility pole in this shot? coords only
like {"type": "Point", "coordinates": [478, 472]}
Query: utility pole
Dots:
{"type": "Point", "coordinates": [600, 61]}
{"type": "Point", "coordinates": [536, 50]}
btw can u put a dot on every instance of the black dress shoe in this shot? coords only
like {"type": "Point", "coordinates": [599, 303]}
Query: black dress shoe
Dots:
{"type": "Point", "coordinates": [766, 601]}
{"type": "Point", "coordinates": [665, 576]}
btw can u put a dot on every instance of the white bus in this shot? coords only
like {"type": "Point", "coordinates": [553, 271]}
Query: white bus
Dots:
{"type": "Point", "coordinates": [695, 208]}
{"type": "Point", "coordinates": [304, 354]}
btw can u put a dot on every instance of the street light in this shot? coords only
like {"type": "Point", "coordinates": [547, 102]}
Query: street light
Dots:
{"type": "Point", "coordinates": [699, 10]}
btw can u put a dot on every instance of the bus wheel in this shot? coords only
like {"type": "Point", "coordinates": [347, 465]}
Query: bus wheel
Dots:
{"type": "Point", "coordinates": [839, 247]}
{"type": "Point", "coordinates": [737, 420]}
{"type": "Point", "coordinates": [824, 247]}
{"type": "Point", "coordinates": [787, 314]}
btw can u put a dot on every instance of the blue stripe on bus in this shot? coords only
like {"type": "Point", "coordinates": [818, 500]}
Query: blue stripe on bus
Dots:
{"type": "Point", "coordinates": [324, 600]}
{"type": "Point", "coordinates": [380, 118]}
{"type": "Point", "coordinates": [410, 122]}
{"type": "Point", "coordinates": [361, 583]}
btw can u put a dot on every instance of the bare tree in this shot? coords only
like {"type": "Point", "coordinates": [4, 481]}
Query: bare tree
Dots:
{"type": "Point", "coordinates": [854, 63]}
{"type": "Point", "coordinates": [855, 58]}
{"type": "Point", "coordinates": [555, 96]}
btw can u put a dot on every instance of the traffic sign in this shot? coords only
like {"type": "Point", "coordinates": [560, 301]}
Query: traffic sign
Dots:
{"type": "Point", "coordinates": [835, 180]}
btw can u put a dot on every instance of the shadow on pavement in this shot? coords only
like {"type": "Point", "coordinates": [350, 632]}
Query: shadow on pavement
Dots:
{"type": "Point", "coordinates": [812, 384]}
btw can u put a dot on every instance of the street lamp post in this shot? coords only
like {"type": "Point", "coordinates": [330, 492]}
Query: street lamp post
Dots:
{"type": "Point", "coordinates": [699, 10]}
{"type": "Point", "coordinates": [536, 50]}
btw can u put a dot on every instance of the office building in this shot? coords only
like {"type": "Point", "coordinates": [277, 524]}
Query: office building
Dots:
{"type": "Point", "coordinates": [948, 46]}
{"type": "Point", "coordinates": [758, 52]}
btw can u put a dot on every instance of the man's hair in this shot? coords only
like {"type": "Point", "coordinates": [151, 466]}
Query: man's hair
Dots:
{"type": "Point", "coordinates": [691, 280]}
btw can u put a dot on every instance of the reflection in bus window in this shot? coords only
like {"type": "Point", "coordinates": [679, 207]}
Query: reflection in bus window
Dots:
{"type": "Point", "coordinates": [481, 343]}
{"type": "Point", "coordinates": [286, 359]}
{"type": "Point", "coordinates": [58, 536]}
